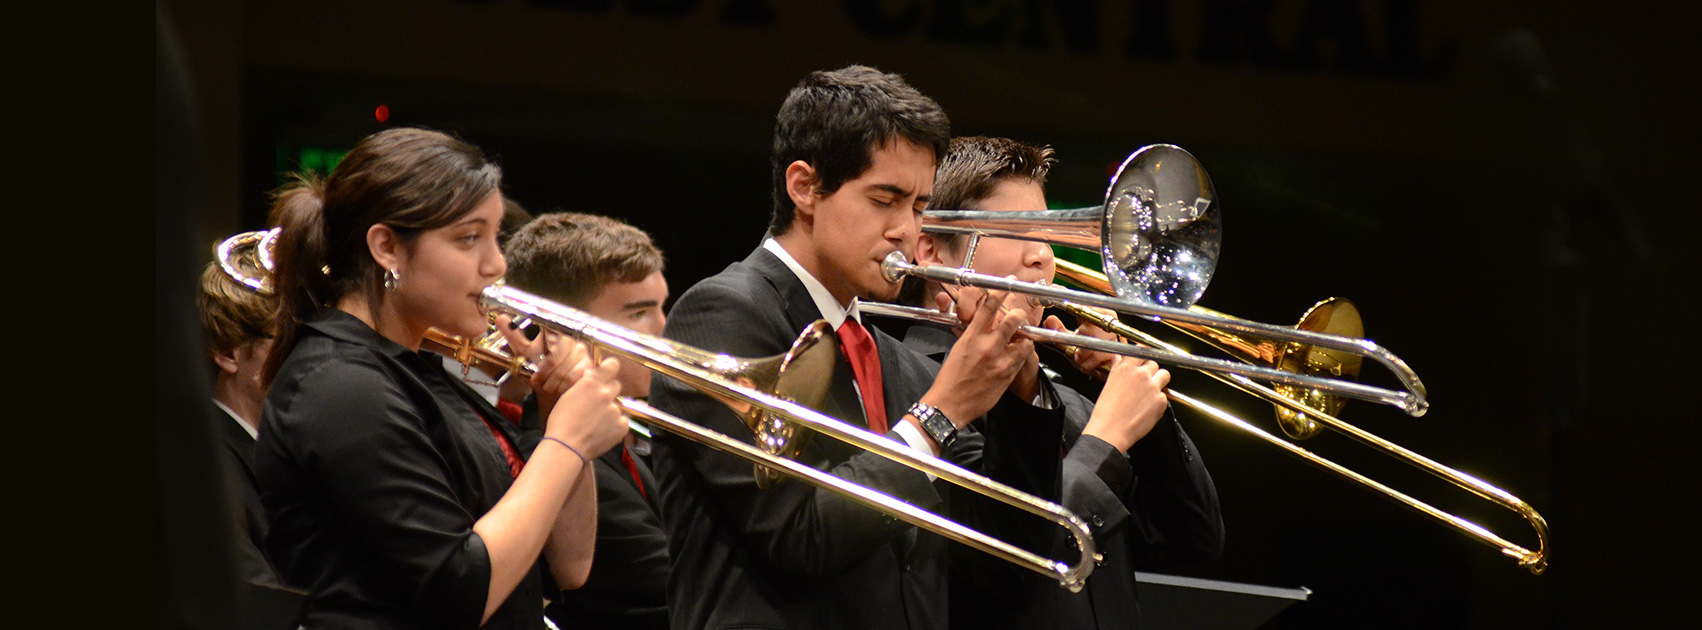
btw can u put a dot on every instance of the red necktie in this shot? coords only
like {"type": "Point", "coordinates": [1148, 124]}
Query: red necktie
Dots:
{"type": "Point", "coordinates": [859, 348]}
{"type": "Point", "coordinates": [632, 467]}
{"type": "Point", "coordinates": [508, 452]}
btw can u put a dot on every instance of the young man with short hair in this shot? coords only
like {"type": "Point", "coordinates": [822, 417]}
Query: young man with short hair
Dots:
{"type": "Point", "coordinates": [236, 322]}
{"type": "Point", "coordinates": [614, 272]}
{"type": "Point", "coordinates": [853, 167]}
{"type": "Point", "coordinates": [1130, 470]}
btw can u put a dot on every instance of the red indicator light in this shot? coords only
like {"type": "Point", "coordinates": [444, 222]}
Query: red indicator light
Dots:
{"type": "Point", "coordinates": [382, 113]}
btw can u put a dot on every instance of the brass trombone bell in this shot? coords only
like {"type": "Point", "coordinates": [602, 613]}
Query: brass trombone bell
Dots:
{"type": "Point", "coordinates": [1334, 316]}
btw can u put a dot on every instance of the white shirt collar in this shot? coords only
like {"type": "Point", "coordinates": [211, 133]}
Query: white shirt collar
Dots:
{"type": "Point", "coordinates": [234, 418]}
{"type": "Point", "coordinates": [831, 309]}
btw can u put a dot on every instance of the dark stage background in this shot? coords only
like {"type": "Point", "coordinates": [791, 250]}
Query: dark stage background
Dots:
{"type": "Point", "coordinates": [1502, 188]}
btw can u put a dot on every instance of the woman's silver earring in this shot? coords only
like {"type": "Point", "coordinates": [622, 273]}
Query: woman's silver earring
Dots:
{"type": "Point", "coordinates": [391, 278]}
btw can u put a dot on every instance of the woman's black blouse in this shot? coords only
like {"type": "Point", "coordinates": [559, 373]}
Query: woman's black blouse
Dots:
{"type": "Point", "coordinates": [373, 465]}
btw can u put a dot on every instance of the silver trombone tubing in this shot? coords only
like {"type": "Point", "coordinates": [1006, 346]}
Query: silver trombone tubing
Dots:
{"type": "Point", "coordinates": [1412, 401]}
{"type": "Point", "coordinates": [1534, 561]}
{"type": "Point", "coordinates": [661, 355]}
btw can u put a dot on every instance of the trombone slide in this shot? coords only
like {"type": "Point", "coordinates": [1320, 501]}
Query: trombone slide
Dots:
{"type": "Point", "coordinates": [1535, 561]}
{"type": "Point", "coordinates": [660, 355]}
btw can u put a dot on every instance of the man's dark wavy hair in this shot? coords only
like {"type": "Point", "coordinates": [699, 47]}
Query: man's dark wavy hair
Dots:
{"type": "Point", "coordinates": [835, 120]}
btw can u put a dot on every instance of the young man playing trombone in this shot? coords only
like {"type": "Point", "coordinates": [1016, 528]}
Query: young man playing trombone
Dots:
{"type": "Point", "coordinates": [853, 167]}
{"type": "Point", "coordinates": [1130, 470]}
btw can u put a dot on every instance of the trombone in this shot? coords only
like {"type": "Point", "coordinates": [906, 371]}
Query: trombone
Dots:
{"type": "Point", "coordinates": [724, 377]}
{"type": "Point", "coordinates": [1159, 235]}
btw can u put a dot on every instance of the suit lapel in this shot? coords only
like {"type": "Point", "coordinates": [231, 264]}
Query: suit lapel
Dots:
{"type": "Point", "coordinates": [239, 443]}
{"type": "Point", "coordinates": [842, 401]}
{"type": "Point", "coordinates": [799, 307]}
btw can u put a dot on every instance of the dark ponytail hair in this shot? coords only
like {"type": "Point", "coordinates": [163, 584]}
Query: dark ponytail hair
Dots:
{"type": "Point", "coordinates": [408, 179]}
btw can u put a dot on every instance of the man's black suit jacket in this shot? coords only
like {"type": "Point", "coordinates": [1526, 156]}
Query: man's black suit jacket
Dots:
{"type": "Point", "coordinates": [627, 588]}
{"type": "Point", "coordinates": [1155, 508]}
{"type": "Point", "coordinates": [794, 556]}
{"type": "Point", "coordinates": [239, 459]}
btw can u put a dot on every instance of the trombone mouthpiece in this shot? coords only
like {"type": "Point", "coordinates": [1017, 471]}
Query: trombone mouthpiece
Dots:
{"type": "Point", "coordinates": [893, 267]}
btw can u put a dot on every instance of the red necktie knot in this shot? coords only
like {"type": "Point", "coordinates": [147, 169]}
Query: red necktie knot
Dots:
{"type": "Point", "coordinates": [859, 349]}
{"type": "Point", "coordinates": [510, 409]}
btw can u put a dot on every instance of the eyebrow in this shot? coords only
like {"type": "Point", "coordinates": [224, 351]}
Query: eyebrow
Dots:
{"type": "Point", "coordinates": [896, 190]}
{"type": "Point", "coordinates": [472, 220]}
{"type": "Point", "coordinates": [640, 304]}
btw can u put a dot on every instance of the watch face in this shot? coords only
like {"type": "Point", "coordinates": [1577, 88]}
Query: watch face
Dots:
{"type": "Point", "coordinates": [935, 423]}
{"type": "Point", "coordinates": [940, 428]}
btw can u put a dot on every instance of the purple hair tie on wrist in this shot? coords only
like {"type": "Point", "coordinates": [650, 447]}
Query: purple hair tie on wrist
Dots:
{"type": "Point", "coordinates": [582, 460]}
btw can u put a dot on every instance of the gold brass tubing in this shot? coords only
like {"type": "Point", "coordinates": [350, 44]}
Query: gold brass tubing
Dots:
{"type": "Point", "coordinates": [1535, 561]}
{"type": "Point", "coordinates": [1259, 352]}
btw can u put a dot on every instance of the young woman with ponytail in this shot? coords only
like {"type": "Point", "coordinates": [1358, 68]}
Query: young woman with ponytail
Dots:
{"type": "Point", "coordinates": [395, 495]}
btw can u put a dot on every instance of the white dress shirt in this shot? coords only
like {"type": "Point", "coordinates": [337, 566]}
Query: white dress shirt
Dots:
{"type": "Point", "coordinates": [252, 432]}
{"type": "Point", "coordinates": [835, 314]}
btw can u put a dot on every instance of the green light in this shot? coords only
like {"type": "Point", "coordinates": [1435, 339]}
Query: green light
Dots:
{"type": "Point", "coordinates": [307, 160]}
{"type": "Point", "coordinates": [1081, 257]}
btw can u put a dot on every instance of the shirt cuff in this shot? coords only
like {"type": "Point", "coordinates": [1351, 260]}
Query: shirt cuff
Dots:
{"type": "Point", "coordinates": [1043, 399]}
{"type": "Point", "coordinates": [918, 442]}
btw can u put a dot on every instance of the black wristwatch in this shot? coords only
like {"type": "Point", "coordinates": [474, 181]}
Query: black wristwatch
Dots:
{"type": "Point", "coordinates": [935, 423]}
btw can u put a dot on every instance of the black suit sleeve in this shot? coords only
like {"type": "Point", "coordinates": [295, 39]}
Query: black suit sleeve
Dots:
{"type": "Point", "coordinates": [1174, 499]}
{"type": "Point", "coordinates": [1160, 491]}
{"type": "Point", "coordinates": [1096, 475]}
{"type": "Point", "coordinates": [629, 579]}
{"type": "Point", "coordinates": [794, 529]}
{"type": "Point", "coordinates": [1017, 444]}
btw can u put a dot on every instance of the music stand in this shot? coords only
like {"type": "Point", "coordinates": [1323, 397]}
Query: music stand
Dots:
{"type": "Point", "coordinates": [1175, 602]}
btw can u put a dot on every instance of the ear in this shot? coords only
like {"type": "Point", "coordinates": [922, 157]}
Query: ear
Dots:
{"type": "Point", "coordinates": [928, 250]}
{"type": "Point", "coordinates": [801, 185]}
{"type": "Point", "coordinates": [385, 245]}
{"type": "Point", "coordinates": [226, 360]}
